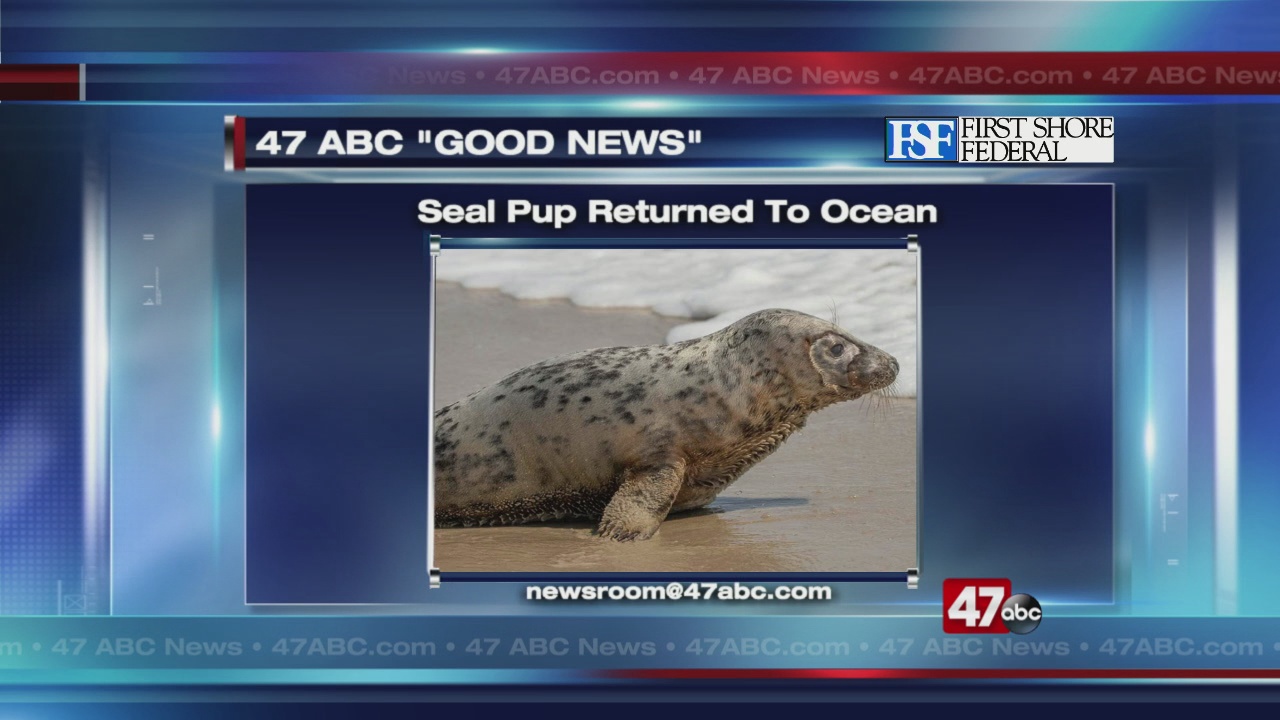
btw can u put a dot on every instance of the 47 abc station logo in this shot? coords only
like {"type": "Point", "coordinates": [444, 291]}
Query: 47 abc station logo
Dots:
{"type": "Point", "coordinates": [988, 606]}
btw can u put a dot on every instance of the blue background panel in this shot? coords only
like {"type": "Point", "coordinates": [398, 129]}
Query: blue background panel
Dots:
{"type": "Point", "coordinates": [1175, 190]}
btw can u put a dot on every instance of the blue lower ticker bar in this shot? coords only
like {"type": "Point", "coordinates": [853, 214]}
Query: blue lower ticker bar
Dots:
{"type": "Point", "coordinates": [441, 645]}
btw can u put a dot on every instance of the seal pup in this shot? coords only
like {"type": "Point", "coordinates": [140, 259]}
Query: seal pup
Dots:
{"type": "Point", "coordinates": [627, 435]}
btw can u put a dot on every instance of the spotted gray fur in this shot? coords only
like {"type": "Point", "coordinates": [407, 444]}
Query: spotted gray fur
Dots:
{"type": "Point", "coordinates": [626, 435]}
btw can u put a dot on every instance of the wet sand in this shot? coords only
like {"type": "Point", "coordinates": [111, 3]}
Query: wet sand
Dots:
{"type": "Point", "coordinates": [839, 496]}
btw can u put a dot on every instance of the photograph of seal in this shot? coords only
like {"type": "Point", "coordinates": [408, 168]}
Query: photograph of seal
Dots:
{"type": "Point", "coordinates": [624, 436]}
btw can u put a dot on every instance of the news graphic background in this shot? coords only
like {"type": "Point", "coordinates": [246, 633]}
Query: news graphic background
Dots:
{"type": "Point", "coordinates": [42, 528]}
{"type": "Point", "coordinates": [1195, 179]}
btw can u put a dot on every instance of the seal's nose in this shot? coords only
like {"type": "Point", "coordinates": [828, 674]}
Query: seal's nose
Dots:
{"type": "Point", "coordinates": [873, 368]}
{"type": "Point", "coordinates": [887, 369]}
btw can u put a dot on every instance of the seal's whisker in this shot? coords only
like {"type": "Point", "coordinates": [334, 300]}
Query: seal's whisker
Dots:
{"type": "Point", "coordinates": [884, 402]}
{"type": "Point", "coordinates": [877, 405]}
{"type": "Point", "coordinates": [880, 402]}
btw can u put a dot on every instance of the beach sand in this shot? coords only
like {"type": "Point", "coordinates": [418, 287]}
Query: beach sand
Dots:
{"type": "Point", "coordinates": [839, 496]}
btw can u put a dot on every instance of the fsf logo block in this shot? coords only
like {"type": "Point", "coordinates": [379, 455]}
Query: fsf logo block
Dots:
{"type": "Point", "coordinates": [987, 605]}
{"type": "Point", "coordinates": [920, 140]}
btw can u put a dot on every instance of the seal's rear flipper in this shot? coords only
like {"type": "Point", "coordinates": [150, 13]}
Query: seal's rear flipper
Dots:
{"type": "Point", "coordinates": [641, 503]}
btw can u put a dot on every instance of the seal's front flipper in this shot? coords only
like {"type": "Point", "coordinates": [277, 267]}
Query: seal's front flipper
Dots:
{"type": "Point", "coordinates": [640, 503]}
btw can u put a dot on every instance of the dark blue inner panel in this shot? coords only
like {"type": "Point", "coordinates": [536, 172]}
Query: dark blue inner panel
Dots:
{"type": "Point", "coordinates": [1016, 394]}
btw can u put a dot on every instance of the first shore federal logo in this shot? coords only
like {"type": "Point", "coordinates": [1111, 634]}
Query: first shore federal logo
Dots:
{"type": "Point", "coordinates": [987, 606]}
{"type": "Point", "coordinates": [1000, 139]}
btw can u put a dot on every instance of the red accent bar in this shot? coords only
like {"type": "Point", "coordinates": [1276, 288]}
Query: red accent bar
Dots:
{"type": "Point", "coordinates": [237, 146]}
{"type": "Point", "coordinates": [39, 82]}
{"type": "Point", "coordinates": [950, 674]}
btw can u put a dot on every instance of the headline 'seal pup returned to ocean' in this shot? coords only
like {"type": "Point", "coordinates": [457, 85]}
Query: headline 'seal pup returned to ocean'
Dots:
{"type": "Point", "coordinates": [560, 215]}
{"type": "Point", "coordinates": [626, 435]}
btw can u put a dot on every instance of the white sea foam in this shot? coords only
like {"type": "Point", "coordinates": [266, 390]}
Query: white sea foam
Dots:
{"type": "Point", "coordinates": [872, 292]}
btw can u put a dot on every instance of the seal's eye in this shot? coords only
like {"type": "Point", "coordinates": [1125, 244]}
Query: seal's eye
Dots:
{"type": "Point", "coordinates": [837, 350]}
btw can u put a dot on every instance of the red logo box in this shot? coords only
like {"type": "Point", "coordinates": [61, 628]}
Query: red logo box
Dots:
{"type": "Point", "coordinates": [972, 605]}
